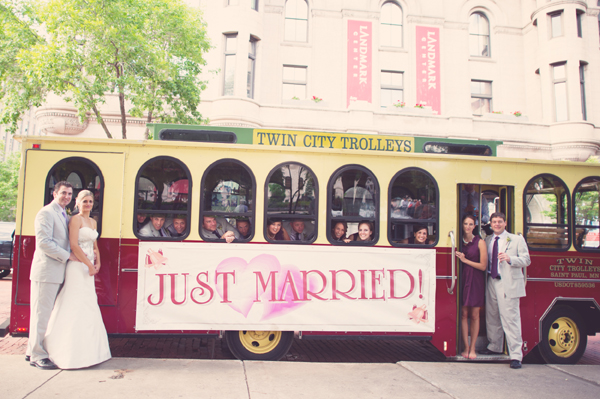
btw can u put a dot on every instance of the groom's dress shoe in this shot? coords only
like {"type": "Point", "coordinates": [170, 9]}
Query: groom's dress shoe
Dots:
{"type": "Point", "coordinates": [489, 352]}
{"type": "Point", "coordinates": [27, 358]}
{"type": "Point", "coordinates": [44, 364]}
{"type": "Point", "coordinates": [515, 364]}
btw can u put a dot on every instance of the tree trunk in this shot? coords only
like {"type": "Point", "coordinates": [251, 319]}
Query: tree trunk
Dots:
{"type": "Point", "coordinates": [148, 120]}
{"type": "Point", "coordinates": [99, 119]}
{"type": "Point", "coordinates": [123, 114]}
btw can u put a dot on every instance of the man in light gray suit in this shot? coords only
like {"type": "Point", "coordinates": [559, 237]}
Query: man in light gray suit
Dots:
{"type": "Point", "coordinates": [508, 256]}
{"type": "Point", "coordinates": [52, 251]}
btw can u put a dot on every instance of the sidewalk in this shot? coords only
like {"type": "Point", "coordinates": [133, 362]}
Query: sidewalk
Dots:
{"type": "Point", "coordinates": [169, 378]}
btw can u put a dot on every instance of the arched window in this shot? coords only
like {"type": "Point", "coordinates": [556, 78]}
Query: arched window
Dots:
{"type": "Point", "coordinates": [228, 196]}
{"type": "Point", "coordinates": [83, 174]}
{"type": "Point", "coordinates": [291, 196]}
{"type": "Point", "coordinates": [162, 206]}
{"type": "Point", "coordinates": [546, 213]}
{"type": "Point", "coordinates": [353, 201]}
{"type": "Point", "coordinates": [296, 21]}
{"type": "Point", "coordinates": [391, 25]}
{"type": "Point", "coordinates": [479, 35]}
{"type": "Point", "coordinates": [413, 201]}
{"type": "Point", "coordinates": [587, 214]}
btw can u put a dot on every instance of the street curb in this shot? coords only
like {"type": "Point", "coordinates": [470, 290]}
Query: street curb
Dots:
{"type": "Point", "coordinates": [4, 328]}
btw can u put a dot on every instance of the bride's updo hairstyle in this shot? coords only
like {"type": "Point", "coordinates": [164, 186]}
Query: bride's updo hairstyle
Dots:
{"type": "Point", "coordinates": [82, 194]}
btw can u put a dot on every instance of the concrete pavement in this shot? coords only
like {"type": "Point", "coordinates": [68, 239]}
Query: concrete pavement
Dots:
{"type": "Point", "coordinates": [191, 378]}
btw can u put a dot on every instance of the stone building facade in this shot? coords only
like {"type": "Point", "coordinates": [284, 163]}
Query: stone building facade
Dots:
{"type": "Point", "coordinates": [362, 66]}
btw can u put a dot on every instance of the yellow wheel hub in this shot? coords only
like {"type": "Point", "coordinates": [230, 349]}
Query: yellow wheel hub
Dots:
{"type": "Point", "coordinates": [260, 341]}
{"type": "Point", "coordinates": [564, 337]}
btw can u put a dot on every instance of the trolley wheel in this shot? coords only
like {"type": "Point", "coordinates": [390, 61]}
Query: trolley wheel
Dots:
{"type": "Point", "coordinates": [259, 345]}
{"type": "Point", "coordinates": [4, 273]}
{"type": "Point", "coordinates": [563, 336]}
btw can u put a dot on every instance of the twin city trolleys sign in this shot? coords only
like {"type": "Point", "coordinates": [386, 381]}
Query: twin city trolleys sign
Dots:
{"type": "Point", "coordinates": [205, 286]}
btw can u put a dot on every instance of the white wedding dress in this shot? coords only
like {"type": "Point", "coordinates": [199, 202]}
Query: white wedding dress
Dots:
{"type": "Point", "coordinates": [76, 336]}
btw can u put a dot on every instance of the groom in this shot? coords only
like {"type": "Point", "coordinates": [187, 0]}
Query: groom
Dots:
{"type": "Point", "coordinates": [52, 250]}
{"type": "Point", "coordinates": [508, 256]}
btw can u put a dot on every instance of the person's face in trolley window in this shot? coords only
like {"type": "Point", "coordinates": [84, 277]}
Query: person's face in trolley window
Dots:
{"type": "Point", "coordinates": [421, 236]}
{"type": "Point", "coordinates": [498, 225]}
{"type": "Point", "coordinates": [364, 232]}
{"type": "Point", "coordinates": [339, 231]}
{"type": "Point", "coordinates": [298, 226]}
{"type": "Point", "coordinates": [63, 196]}
{"type": "Point", "coordinates": [243, 227]}
{"type": "Point", "coordinates": [141, 217]}
{"type": "Point", "coordinates": [179, 225]}
{"type": "Point", "coordinates": [158, 222]}
{"type": "Point", "coordinates": [209, 223]}
{"type": "Point", "coordinates": [274, 227]}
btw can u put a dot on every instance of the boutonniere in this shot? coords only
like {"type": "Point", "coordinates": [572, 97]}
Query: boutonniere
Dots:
{"type": "Point", "coordinates": [69, 212]}
{"type": "Point", "coordinates": [507, 243]}
{"type": "Point", "coordinates": [219, 227]}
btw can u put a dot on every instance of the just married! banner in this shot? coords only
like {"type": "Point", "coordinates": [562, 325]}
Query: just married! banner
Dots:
{"type": "Point", "coordinates": [203, 286]}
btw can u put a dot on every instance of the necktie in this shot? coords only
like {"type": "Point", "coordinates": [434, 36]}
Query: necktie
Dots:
{"type": "Point", "coordinates": [297, 236]}
{"type": "Point", "coordinates": [494, 269]}
{"type": "Point", "coordinates": [217, 234]}
{"type": "Point", "coordinates": [65, 216]}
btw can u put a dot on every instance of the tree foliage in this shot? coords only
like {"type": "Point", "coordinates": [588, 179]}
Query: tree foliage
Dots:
{"type": "Point", "coordinates": [149, 53]}
{"type": "Point", "coordinates": [9, 180]}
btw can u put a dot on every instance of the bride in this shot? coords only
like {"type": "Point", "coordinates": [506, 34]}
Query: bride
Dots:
{"type": "Point", "coordinates": [76, 336]}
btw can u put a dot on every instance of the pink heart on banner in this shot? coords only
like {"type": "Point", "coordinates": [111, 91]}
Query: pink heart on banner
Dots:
{"type": "Point", "coordinates": [243, 293]}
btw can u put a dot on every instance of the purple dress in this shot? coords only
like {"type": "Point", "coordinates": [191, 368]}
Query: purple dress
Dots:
{"type": "Point", "coordinates": [473, 280]}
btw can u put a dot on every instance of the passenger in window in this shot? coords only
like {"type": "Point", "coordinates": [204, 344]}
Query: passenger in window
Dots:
{"type": "Point", "coordinates": [365, 232]}
{"type": "Point", "coordinates": [296, 230]}
{"type": "Point", "coordinates": [243, 227]}
{"type": "Point", "coordinates": [177, 228]}
{"type": "Point", "coordinates": [155, 227]}
{"type": "Point", "coordinates": [419, 237]}
{"type": "Point", "coordinates": [338, 233]}
{"type": "Point", "coordinates": [142, 220]}
{"type": "Point", "coordinates": [275, 232]}
{"type": "Point", "coordinates": [217, 228]}
{"type": "Point", "coordinates": [474, 257]}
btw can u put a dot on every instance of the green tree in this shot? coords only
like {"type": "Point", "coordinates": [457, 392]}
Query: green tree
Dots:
{"type": "Point", "coordinates": [9, 181]}
{"type": "Point", "coordinates": [147, 52]}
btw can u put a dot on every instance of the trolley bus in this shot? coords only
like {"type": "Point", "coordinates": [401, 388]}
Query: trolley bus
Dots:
{"type": "Point", "coordinates": [260, 291]}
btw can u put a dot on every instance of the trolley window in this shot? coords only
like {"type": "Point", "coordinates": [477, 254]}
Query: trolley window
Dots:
{"type": "Point", "coordinates": [83, 174]}
{"type": "Point", "coordinates": [228, 195]}
{"type": "Point", "coordinates": [353, 201]}
{"type": "Point", "coordinates": [587, 214]}
{"type": "Point", "coordinates": [546, 212]}
{"type": "Point", "coordinates": [413, 201]}
{"type": "Point", "coordinates": [291, 194]}
{"type": "Point", "coordinates": [162, 206]}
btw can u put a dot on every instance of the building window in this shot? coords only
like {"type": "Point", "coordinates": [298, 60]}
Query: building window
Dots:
{"type": "Point", "coordinates": [391, 25]}
{"type": "Point", "coordinates": [230, 49]}
{"type": "Point", "coordinates": [556, 24]}
{"type": "Point", "coordinates": [580, 15]}
{"type": "Point", "coordinates": [582, 90]}
{"type": "Point", "coordinates": [479, 35]}
{"type": "Point", "coordinates": [294, 82]}
{"type": "Point", "coordinates": [481, 97]}
{"type": "Point", "coordinates": [392, 88]}
{"type": "Point", "coordinates": [296, 21]}
{"type": "Point", "coordinates": [251, 67]}
{"type": "Point", "coordinates": [254, 4]}
{"type": "Point", "coordinates": [559, 79]}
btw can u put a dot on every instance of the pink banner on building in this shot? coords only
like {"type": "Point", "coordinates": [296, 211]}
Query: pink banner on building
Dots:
{"type": "Point", "coordinates": [360, 74]}
{"type": "Point", "coordinates": [428, 68]}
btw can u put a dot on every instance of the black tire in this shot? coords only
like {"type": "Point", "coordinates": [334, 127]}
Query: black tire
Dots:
{"type": "Point", "coordinates": [259, 345]}
{"type": "Point", "coordinates": [4, 273]}
{"type": "Point", "coordinates": [564, 336]}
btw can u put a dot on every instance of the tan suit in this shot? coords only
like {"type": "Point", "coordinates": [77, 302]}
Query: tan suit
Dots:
{"type": "Point", "coordinates": [502, 312]}
{"type": "Point", "coordinates": [52, 252]}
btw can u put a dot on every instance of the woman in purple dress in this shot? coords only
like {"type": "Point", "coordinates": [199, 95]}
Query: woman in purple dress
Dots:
{"type": "Point", "coordinates": [474, 258]}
